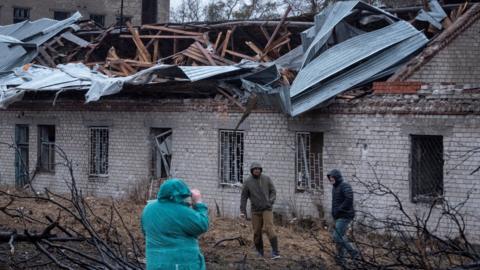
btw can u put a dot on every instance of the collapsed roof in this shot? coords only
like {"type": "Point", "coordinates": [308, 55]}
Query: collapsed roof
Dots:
{"type": "Point", "coordinates": [290, 63]}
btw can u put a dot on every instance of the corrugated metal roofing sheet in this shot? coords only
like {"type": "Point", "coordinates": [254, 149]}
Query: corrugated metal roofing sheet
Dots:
{"type": "Point", "coordinates": [33, 33]}
{"type": "Point", "coordinates": [346, 54]}
{"type": "Point", "coordinates": [357, 75]}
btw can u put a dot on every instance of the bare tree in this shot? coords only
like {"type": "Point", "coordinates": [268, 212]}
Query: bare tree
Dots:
{"type": "Point", "coordinates": [187, 11]}
{"type": "Point", "coordinates": [76, 238]}
{"type": "Point", "coordinates": [405, 238]}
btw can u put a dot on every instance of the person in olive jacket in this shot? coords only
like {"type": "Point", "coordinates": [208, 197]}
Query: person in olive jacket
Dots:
{"type": "Point", "coordinates": [260, 190]}
{"type": "Point", "coordinates": [343, 213]}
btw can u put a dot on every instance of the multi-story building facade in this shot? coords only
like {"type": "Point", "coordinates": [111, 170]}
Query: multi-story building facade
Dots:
{"type": "Point", "coordinates": [104, 12]}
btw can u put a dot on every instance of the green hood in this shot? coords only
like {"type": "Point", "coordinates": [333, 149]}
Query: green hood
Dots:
{"type": "Point", "coordinates": [174, 190]}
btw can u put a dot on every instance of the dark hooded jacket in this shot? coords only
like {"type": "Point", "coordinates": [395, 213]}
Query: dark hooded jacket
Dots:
{"type": "Point", "coordinates": [342, 197]}
{"type": "Point", "coordinates": [259, 190]}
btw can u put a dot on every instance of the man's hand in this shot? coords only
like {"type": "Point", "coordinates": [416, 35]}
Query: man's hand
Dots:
{"type": "Point", "coordinates": [196, 196]}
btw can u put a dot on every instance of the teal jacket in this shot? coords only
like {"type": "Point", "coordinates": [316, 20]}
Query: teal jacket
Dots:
{"type": "Point", "coordinates": [171, 229]}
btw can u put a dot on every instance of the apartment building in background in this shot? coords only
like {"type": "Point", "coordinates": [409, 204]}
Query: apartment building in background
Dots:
{"type": "Point", "coordinates": [104, 12]}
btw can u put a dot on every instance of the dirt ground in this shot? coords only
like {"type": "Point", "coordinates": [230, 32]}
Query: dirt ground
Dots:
{"type": "Point", "coordinates": [299, 250]}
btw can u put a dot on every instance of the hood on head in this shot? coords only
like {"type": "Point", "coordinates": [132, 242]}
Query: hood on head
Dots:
{"type": "Point", "coordinates": [255, 165]}
{"type": "Point", "coordinates": [336, 174]}
{"type": "Point", "coordinates": [174, 190]}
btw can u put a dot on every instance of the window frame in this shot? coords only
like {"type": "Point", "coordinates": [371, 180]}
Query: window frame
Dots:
{"type": "Point", "coordinates": [63, 12]}
{"type": "Point", "coordinates": [414, 169]}
{"type": "Point", "coordinates": [102, 16]}
{"type": "Point", "coordinates": [18, 19]}
{"type": "Point", "coordinates": [49, 143]}
{"type": "Point", "coordinates": [239, 164]}
{"type": "Point", "coordinates": [316, 182]}
{"type": "Point", "coordinates": [93, 159]}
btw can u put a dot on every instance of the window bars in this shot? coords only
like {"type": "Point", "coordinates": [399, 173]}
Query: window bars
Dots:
{"type": "Point", "coordinates": [426, 167]}
{"type": "Point", "coordinates": [308, 163]}
{"type": "Point", "coordinates": [231, 157]}
{"type": "Point", "coordinates": [98, 151]}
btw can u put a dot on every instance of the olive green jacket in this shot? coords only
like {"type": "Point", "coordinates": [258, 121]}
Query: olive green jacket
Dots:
{"type": "Point", "coordinates": [261, 193]}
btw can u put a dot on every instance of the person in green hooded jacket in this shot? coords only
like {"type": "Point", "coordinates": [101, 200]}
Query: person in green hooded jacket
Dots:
{"type": "Point", "coordinates": [171, 227]}
{"type": "Point", "coordinates": [260, 190]}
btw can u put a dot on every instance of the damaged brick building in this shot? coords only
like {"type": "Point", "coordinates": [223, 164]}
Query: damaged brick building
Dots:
{"type": "Point", "coordinates": [375, 131]}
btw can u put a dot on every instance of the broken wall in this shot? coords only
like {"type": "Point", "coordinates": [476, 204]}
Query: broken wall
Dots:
{"type": "Point", "coordinates": [195, 126]}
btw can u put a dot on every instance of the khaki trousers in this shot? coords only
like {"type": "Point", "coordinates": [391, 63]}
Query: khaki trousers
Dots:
{"type": "Point", "coordinates": [263, 220]}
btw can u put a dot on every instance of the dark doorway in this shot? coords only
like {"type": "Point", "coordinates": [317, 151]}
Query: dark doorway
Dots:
{"type": "Point", "coordinates": [149, 11]}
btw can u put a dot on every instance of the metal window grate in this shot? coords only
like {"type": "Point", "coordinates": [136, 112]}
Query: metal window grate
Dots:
{"type": "Point", "coordinates": [21, 14]}
{"type": "Point", "coordinates": [98, 151]}
{"type": "Point", "coordinates": [97, 18]}
{"type": "Point", "coordinates": [426, 167]}
{"type": "Point", "coordinates": [231, 156]}
{"type": "Point", "coordinates": [308, 162]}
{"type": "Point", "coordinates": [46, 148]}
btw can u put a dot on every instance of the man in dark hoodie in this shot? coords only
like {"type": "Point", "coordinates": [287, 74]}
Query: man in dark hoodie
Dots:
{"type": "Point", "coordinates": [343, 213]}
{"type": "Point", "coordinates": [261, 192]}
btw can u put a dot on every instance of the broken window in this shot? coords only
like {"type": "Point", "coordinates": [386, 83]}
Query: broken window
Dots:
{"type": "Point", "coordinates": [308, 161]}
{"type": "Point", "coordinates": [98, 19]}
{"type": "Point", "coordinates": [231, 157]}
{"type": "Point", "coordinates": [98, 151]}
{"type": "Point", "coordinates": [21, 155]}
{"type": "Point", "coordinates": [46, 148]}
{"type": "Point", "coordinates": [161, 152]}
{"type": "Point", "coordinates": [426, 167]}
{"type": "Point", "coordinates": [20, 14]}
{"type": "Point", "coordinates": [60, 15]}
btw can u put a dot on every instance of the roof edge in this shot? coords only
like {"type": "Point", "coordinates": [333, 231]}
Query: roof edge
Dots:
{"type": "Point", "coordinates": [437, 44]}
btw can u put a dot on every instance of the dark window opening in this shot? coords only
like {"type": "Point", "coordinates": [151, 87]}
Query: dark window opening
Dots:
{"type": "Point", "coordinates": [60, 15]}
{"type": "Point", "coordinates": [161, 152]}
{"type": "Point", "coordinates": [231, 157]}
{"type": "Point", "coordinates": [46, 148]}
{"type": "Point", "coordinates": [149, 11]}
{"type": "Point", "coordinates": [98, 19]}
{"type": "Point", "coordinates": [21, 155]}
{"type": "Point", "coordinates": [21, 14]}
{"type": "Point", "coordinates": [99, 140]}
{"type": "Point", "coordinates": [426, 167]}
{"type": "Point", "coordinates": [308, 161]}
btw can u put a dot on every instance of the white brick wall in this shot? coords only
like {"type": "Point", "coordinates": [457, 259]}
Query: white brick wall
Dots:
{"type": "Point", "coordinates": [354, 143]}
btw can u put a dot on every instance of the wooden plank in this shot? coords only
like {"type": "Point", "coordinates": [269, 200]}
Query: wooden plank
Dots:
{"type": "Point", "coordinates": [218, 59]}
{"type": "Point", "coordinates": [150, 42]}
{"type": "Point", "coordinates": [225, 43]}
{"type": "Point", "coordinates": [274, 34]}
{"type": "Point", "coordinates": [155, 50]}
{"type": "Point", "coordinates": [217, 42]}
{"type": "Point", "coordinates": [223, 92]}
{"type": "Point", "coordinates": [257, 51]}
{"type": "Point", "coordinates": [195, 57]}
{"type": "Point", "coordinates": [46, 56]}
{"type": "Point", "coordinates": [172, 30]}
{"type": "Point", "coordinates": [144, 54]}
{"type": "Point", "coordinates": [205, 53]}
{"type": "Point", "coordinates": [129, 62]}
{"type": "Point", "coordinates": [265, 32]}
{"type": "Point", "coordinates": [161, 37]}
{"type": "Point", "coordinates": [241, 55]}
